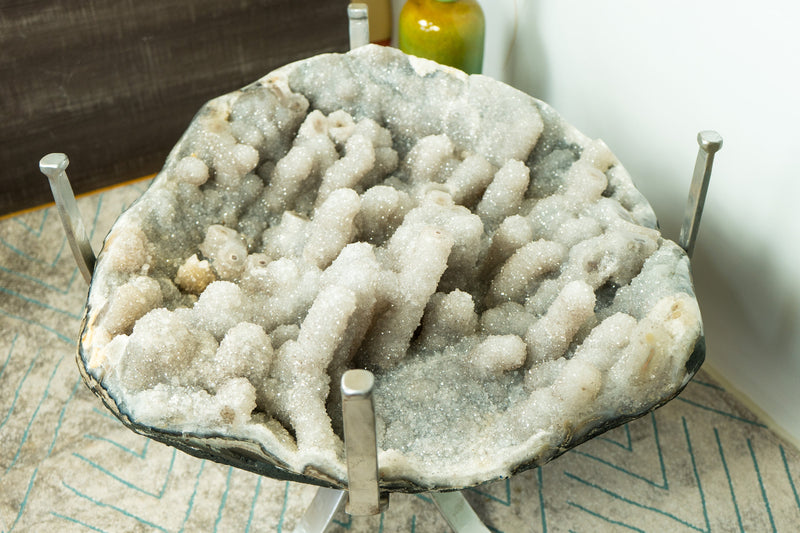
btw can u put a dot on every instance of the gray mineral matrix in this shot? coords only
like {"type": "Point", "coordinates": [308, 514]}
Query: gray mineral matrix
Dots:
{"type": "Point", "coordinates": [495, 268]}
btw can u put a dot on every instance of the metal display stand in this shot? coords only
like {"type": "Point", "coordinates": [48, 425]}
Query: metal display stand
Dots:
{"type": "Point", "coordinates": [363, 495]}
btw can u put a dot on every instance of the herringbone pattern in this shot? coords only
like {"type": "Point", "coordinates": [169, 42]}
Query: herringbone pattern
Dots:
{"type": "Point", "coordinates": [701, 463]}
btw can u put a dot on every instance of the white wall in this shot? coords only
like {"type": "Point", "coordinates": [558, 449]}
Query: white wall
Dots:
{"type": "Point", "coordinates": [645, 77]}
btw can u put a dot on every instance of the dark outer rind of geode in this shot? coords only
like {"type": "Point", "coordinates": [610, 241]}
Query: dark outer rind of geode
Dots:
{"type": "Point", "coordinates": [248, 455]}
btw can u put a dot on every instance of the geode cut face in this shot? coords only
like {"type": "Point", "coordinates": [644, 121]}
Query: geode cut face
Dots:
{"type": "Point", "coordinates": [496, 270]}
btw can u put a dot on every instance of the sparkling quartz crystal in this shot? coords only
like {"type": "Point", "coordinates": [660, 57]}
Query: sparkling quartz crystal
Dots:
{"type": "Point", "coordinates": [496, 269]}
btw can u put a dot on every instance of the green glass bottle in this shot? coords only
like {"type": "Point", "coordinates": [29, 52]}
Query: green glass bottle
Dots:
{"type": "Point", "coordinates": [450, 32]}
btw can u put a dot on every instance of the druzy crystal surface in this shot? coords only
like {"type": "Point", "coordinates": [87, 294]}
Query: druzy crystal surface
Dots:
{"type": "Point", "coordinates": [496, 269]}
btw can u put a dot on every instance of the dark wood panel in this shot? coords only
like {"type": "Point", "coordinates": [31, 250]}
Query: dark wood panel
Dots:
{"type": "Point", "coordinates": [113, 84]}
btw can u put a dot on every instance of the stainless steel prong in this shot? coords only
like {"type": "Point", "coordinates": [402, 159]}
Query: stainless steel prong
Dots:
{"type": "Point", "coordinates": [54, 166]}
{"type": "Point", "coordinates": [710, 143]}
{"type": "Point", "coordinates": [359, 25]}
{"type": "Point", "coordinates": [320, 512]}
{"type": "Point", "coordinates": [358, 414]}
{"type": "Point", "coordinates": [458, 512]}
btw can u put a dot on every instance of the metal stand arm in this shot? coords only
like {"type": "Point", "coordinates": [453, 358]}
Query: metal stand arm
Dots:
{"type": "Point", "coordinates": [54, 166]}
{"type": "Point", "coordinates": [710, 143]}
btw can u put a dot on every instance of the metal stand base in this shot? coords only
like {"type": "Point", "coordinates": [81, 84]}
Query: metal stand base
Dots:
{"type": "Point", "coordinates": [455, 509]}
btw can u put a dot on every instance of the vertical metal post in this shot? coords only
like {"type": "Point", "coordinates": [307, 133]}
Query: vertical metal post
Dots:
{"type": "Point", "coordinates": [710, 142]}
{"type": "Point", "coordinates": [358, 412]}
{"type": "Point", "coordinates": [54, 166]}
{"type": "Point", "coordinates": [359, 25]}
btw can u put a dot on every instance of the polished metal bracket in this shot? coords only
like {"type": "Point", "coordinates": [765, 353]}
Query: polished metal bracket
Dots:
{"type": "Point", "coordinates": [710, 143]}
{"type": "Point", "coordinates": [358, 17]}
{"type": "Point", "coordinates": [54, 166]}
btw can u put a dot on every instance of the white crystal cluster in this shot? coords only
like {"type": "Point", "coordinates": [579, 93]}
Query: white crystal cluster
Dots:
{"type": "Point", "coordinates": [495, 268]}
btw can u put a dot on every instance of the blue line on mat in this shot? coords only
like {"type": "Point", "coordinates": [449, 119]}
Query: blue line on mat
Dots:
{"type": "Point", "coordinates": [224, 499]}
{"type": "Point", "coordinates": [60, 336]}
{"type": "Point", "coordinates": [730, 481]}
{"type": "Point", "coordinates": [604, 518]}
{"type": "Point", "coordinates": [664, 481]}
{"type": "Point", "coordinates": [19, 388]}
{"type": "Point", "coordinates": [789, 475]}
{"type": "Point", "coordinates": [346, 525]}
{"type": "Point", "coordinates": [707, 384]}
{"type": "Point", "coordinates": [97, 213]}
{"type": "Point", "coordinates": [29, 228]}
{"type": "Point", "coordinates": [42, 283]}
{"type": "Point", "coordinates": [33, 417]}
{"type": "Point", "coordinates": [38, 234]}
{"type": "Point", "coordinates": [22, 254]}
{"type": "Point", "coordinates": [253, 505]}
{"type": "Point", "coordinates": [283, 509]}
{"type": "Point", "coordinates": [74, 521]}
{"type": "Point", "coordinates": [114, 507]}
{"type": "Point", "coordinates": [60, 252]}
{"type": "Point", "coordinates": [632, 502]}
{"type": "Point", "coordinates": [8, 357]}
{"type": "Point", "coordinates": [106, 414]}
{"type": "Point", "coordinates": [40, 304]}
{"type": "Point", "coordinates": [761, 485]}
{"type": "Point", "coordinates": [140, 455]}
{"type": "Point", "coordinates": [696, 475]}
{"type": "Point", "coordinates": [505, 501]}
{"type": "Point", "coordinates": [723, 413]}
{"type": "Point", "coordinates": [540, 478]}
{"type": "Point", "coordinates": [658, 448]}
{"type": "Point", "coordinates": [128, 484]}
{"type": "Point", "coordinates": [628, 446]}
{"type": "Point", "coordinates": [61, 416]}
{"type": "Point", "coordinates": [191, 498]}
{"type": "Point", "coordinates": [24, 500]}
